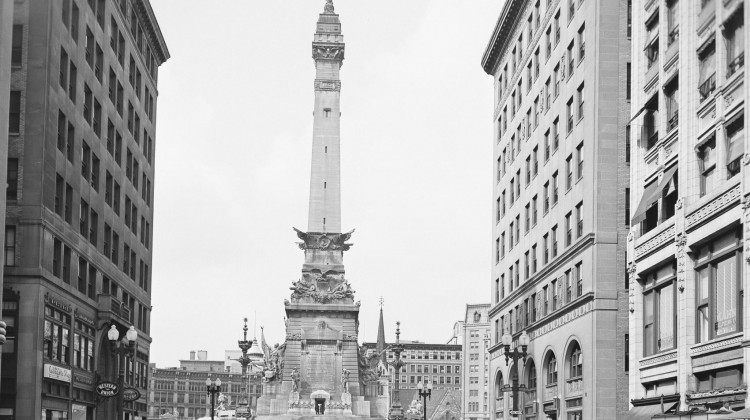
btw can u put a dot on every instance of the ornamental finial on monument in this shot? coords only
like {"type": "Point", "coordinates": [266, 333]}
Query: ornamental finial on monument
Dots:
{"type": "Point", "coordinates": [328, 7]}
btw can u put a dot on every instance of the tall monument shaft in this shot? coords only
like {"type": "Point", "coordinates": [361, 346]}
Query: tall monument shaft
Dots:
{"type": "Point", "coordinates": [325, 180]}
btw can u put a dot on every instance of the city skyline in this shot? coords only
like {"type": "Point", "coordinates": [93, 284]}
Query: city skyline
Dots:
{"type": "Point", "coordinates": [440, 106]}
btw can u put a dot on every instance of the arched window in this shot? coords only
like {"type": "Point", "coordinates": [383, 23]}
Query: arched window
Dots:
{"type": "Point", "coordinates": [499, 396]}
{"type": "Point", "coordinates": [551, 370]}
{"type": "Point", "coordinates": [576, 361]}
{"type": "Point", "coordinates": [531, 383]}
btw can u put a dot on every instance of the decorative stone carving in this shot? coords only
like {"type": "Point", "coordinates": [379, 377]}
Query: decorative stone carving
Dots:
{"type": "Point", "coordinates": [746, 159]}
{"type": "Point", "coordinates": [321, 288]}
{"type": "Point", "coordinates": [631, 291]}
{"type": "Point", "coordinates": [328, 85]}
{"type": "Point", "coordinates": [728, 100]}
{"type": "Point", "coordinates": [328, 7]}
{"type": "Point", "coordinates": [713, 207]}
{"type": "Point", "coordinates": [679, 242]}
{"type": "Point", "coordinates": [326, 241]}
{"type": "Point", "coordinates": [680, 202]}
{"type": "Point", "coordinates": [368, 366]}
{"type": "Point", "coordinates": [716, 345]}
{"type": "Point", "coordinates": [631, 236]}
{"type": "Point", "coordinates": [655, 242]}
{"type": "Point", "coordinates": [325, 52]}
{"type": "Point", "coordinates": [660, 359]}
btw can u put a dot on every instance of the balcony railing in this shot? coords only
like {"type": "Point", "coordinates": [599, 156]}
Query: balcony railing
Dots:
{"type": "Point", "coordinates": [735, 64]}
{"type": "Point", "coordinates": [707, 87]}
{"type": "Point", "coordinates": [672, 123]}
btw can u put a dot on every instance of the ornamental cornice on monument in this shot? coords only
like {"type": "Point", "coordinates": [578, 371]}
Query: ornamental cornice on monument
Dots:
{"type": "Point", "coordinates": [325, 241]}
{"type": "Point", "coordinates": [328, 51]}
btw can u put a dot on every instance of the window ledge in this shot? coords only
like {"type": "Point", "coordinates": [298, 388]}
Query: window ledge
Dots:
{"type": "Point", "coordinates": [717, 344]}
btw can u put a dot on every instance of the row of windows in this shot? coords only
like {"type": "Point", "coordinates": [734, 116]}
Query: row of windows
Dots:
{"type": "Point", "coordinates": [718, 305]}
{"type": "Point", "coordinates": [87, 282]}
{"type": "Point", "coordinates": [435, 368]}
{"type": "Point", "coordinates": [442, 380]}
{"type": "Point", "coordinates": [567, 62]}
{"type": "Point", "coordinates": [552, 297]}
{"type": "Point", "coordinates": [573, 230]}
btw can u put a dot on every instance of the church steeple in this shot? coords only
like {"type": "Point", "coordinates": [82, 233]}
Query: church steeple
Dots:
{"type": "Point", "coordinates": [380, 345]}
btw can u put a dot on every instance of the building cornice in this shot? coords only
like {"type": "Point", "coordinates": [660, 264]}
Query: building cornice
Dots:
{"type": "Point", "coordinates": [151, 26]}
{"type": "Point", "coordinates": [500, 35]}
{"type": "Point", "coordinates": [559, 261]}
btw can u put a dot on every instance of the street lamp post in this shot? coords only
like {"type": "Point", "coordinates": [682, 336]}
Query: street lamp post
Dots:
{"type": "Point", "coordinates": [396, 412]}
{"type": "Point", "coordinates": [213, 388]}
{"type": "Point", "coordinates": [425, 394]}
{"type": "Point", "coordinates": [516, 355]}
{"type": "Point", "coordinates": [120, 350]}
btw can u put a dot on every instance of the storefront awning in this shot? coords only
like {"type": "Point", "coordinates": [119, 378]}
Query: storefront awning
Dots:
{"type": "Point", "coordinates": [651, 195]}
{"type": "Point", "coordinates": [646, 412]}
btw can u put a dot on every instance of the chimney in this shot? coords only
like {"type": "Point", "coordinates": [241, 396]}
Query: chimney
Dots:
{"type": "Point", "coordinates": [192, 354]}
{"type": "Point", "coordinates": [202, 355]}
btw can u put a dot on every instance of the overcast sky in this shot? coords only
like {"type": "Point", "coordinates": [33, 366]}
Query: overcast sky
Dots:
{"type": "Point", "coordinates": [233, 146]}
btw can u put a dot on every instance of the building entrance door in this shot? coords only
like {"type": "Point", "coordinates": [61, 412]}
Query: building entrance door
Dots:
{"type": "Point", "coordinates": [320, 405]}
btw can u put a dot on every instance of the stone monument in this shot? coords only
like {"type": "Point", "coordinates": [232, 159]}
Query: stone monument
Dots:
{"type": "Point", "coordinates": [319, 369]}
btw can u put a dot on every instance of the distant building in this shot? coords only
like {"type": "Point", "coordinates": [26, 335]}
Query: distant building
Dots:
{"type": "Point", "coordinates": [181, 391]}
{"type": "Point", "coordinates": [436, 363]}
{"type": "Point", "coordinates": [475, 338]}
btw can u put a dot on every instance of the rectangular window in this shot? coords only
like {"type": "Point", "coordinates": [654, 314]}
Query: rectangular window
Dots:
{"type": "Point", "coordinates": [659, 314]}
{"type": "Point", "coordinates": [568, 229]}
{"type": "Point", "coordinates": [11, 190]}
{"type": "Point", "coordinates": [707, 164]}
{"type": "Point", "coordinates": [14, 112]}
{"type": "Point", "coordinates": [579, 161]}
{"type": "Point", "coordinates": [581, 99]}
{"type": "Point", "coordinates": [581, 43]}
{"type": "Point", "coordinates": [16, 54]}
{"type": "Point", "coordinates": [735, 43]}
{"type": "Point", "coordinates": [719, 287]}
{"type": "Point", "coordinates": [579, 220]}
{"type": "Point", "coordinates": [10, 245]}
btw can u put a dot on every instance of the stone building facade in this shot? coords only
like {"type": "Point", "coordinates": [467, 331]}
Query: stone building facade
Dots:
{"type": "Point", "coordinates": [559, 230]}
{"type": "Point", "coordinates": [80, 193]}
{"type": "Point", "coordinates": [475, 340]}
{"type": "Point", "coordinates": [687, 249]}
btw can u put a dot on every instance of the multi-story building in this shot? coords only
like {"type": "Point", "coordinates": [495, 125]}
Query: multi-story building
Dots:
{"type": "Point", "coordinates": [439, 364]}
{"type": "Point", "coordinates": [559, 228]}
{"type": "Point", "coordinates": [181, 391]}
{"type": "Point", "coordinates": [79, 196]}
{"type": "Point", "coordinates": [689, 186]}
{"type": "Point", "coordinates": [475, 339]}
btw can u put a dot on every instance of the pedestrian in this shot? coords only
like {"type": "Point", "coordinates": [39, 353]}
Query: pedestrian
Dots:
{"type": "Point", "coordinates": [317, 408]}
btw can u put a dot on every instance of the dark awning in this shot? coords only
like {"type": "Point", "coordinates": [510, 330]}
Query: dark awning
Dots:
{"type": "Point", "coordinates": [645, 412]}
{"type": "Point", "coordinates": [651, 195]}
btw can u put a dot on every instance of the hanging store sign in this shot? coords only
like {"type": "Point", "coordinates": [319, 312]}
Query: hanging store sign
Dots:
{"type": "Point", "coordinates": [130, 394]}
{"type": "Point", "coordinates": [57, 373]}
{"type": "Point", "coordinates": [106, 389]}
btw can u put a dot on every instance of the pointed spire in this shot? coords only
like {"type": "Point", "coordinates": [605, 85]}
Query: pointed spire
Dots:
{"type": "Point", "coordinates": [380, 346]}
{"type": "Point", "coordinates": [328, 7]}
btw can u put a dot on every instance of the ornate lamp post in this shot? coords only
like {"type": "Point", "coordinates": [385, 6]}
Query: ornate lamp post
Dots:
{"type": "Point", "coordinates": [516, 355]}
{"type": "Point", "coordinates": [120, 350]}
{"type": "Point", "coordinates": [425, 395]}
{"type": "Point", "coordinates": [213, 388]}
{"type": "Point", "coordinates": [244, 360]}
{"type": "Point", "coordinates": [396, 412]}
